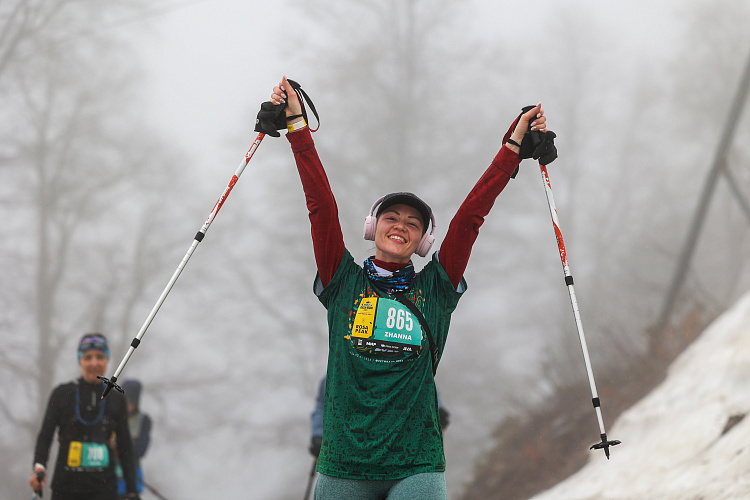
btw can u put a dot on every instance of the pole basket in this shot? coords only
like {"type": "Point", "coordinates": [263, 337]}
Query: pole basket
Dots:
{"type": "Point", "coordinates": [604, 445]}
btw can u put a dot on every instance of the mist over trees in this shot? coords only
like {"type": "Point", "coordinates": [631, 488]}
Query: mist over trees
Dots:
{"type": "Point", "coordinates": [413, 96]}
{"type": "Point", "coordinates": [81, 179]}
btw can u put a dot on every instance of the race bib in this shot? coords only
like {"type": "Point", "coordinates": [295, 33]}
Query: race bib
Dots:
{"type": "Point", "coordinates": [386, 324]}
{"type": "Point", "coordinates": [88, 455]}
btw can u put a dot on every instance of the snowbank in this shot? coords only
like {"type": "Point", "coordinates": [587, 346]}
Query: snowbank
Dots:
{"type": "Point", "coordinates": [683, 441]}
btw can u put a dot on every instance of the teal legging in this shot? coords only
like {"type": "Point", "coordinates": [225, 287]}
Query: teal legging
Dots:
{"type": "Point", "coordinates": [425, 486]}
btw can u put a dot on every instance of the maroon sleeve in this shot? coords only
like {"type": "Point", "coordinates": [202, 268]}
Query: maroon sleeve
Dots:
{"type": "Point", "coordinates": [464, 227]}
{"type": "Point", "coordinates": [328, 241]}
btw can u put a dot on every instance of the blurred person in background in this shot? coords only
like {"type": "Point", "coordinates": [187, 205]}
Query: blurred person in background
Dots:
{"type": "Point", "coordinates": [139, 424]}
{"type": "Point", "coordinates": [85, 425]}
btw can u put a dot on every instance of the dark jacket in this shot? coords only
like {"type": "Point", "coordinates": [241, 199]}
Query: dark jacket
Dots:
{"type": "Point", "coordinates": [85, 425]}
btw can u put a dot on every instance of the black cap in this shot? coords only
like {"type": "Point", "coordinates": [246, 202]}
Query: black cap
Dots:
{"type": "Point", "coordinates": [411, 200]}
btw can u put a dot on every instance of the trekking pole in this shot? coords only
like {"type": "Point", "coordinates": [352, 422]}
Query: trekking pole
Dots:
{"type": "Point", "coordinates": [153, 490]}
{"type": "Point", "coordinates": [112, 382]}
{"type": "Point", "coordinates": [271, 118]}
{"type": "Point", "coordinates": [604, 444]}
{"type": "Point", "coordinates": [310, 479]}
{"type": "Point", "coordinates": [39, 493]}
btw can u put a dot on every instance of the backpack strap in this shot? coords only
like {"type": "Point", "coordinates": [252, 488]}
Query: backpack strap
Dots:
{"type": "Point", "coordinates": [422, 321]}
{"type": "Point", "coordinates": [401, 297]}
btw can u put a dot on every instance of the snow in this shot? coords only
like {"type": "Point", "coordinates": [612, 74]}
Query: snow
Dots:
{"type": "Point", "coordinates": [673, 441]}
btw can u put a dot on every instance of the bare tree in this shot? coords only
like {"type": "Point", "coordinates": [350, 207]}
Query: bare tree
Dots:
{"type": "Point", "coordinates": [77, 164]}
{"type": "Point", "coordinates": [706, 93]}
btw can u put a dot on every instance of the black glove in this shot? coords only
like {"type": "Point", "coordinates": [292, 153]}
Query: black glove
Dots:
{"type": "Point", "coordinates": [527, 144]}
{"type": "Point", "coordinates": [545, 150]}
{"type": "Point", "coordinates": [271, 118]}
{"type": "Point", "coordinates": [445, 417]}
{"type": "Point", "coordinates": [315, 443]}
{"type": "Point", "coordinates": [537, 145]}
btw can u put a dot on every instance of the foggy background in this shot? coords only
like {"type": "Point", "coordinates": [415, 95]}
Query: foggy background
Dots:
{"type": "Point", "coordinates": [121, 124]}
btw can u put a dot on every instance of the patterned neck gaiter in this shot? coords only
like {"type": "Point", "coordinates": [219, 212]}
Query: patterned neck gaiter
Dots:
{"type": "Point", "coordinates": [392, 282]}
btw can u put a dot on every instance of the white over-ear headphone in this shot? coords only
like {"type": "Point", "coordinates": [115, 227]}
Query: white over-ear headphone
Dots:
{"type": "Point", "coordinates": [425, 243]}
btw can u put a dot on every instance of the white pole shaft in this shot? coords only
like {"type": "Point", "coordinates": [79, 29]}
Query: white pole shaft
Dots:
{"type": "Point", "coordinates": [571, 292]}
{"type": "Point", "coordinates": [186, 258]}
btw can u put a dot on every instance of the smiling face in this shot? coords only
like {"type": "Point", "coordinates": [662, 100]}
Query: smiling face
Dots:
{"type": "Point", "coordinates": [93, 363]}
{"type": "Point", "coordinates": [397, 234]}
